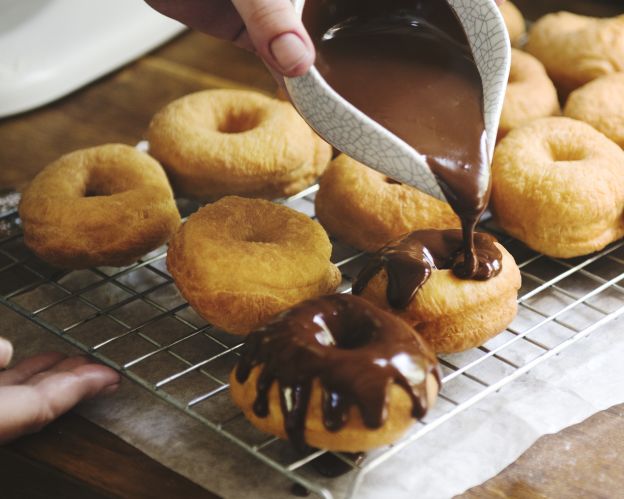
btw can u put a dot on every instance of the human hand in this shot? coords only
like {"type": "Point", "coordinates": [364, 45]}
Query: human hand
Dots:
{"type": "Point", "coordinates": [271, 28]}
{"type": "Point", "coordinates": [39, 389]}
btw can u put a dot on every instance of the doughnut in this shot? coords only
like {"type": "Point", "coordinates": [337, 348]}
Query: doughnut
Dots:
{"type": "Point", "coordinates": [414, 279]}
{"type": "Point", "coordinates": [103, 206]}
{"type": "Point", "coordinates": [530, 93]}
{"type": "Point", "coordinates": [335, 373]}
{"type": "Point", "coordinates": [577, 49]}
{"type": "Point", "coordinates": [514, 20]}
{"type": "Point", "coordinates": [239, 261]}
{"type": "Point", "coordinates": [216, 143]}
{"type": "Point", "coordinates": [601, 104]}
{"type": "Point", "coordinates": [557, 186]}
{"type": "Point", "coordinates": [366, 209]}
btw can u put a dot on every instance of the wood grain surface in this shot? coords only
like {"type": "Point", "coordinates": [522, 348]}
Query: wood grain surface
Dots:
{"type": "Point", "coordinates": [74, 458]}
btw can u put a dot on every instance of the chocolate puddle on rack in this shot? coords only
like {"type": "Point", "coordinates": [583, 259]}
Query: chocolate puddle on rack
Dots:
{"type": "Point", "coordinates": [408, 65]}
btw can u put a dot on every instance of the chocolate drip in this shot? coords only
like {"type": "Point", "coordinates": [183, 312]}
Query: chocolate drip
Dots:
{"type": "Point", "coordinates": [355, 350]}
{"type": "Point", "coordinates": [409, 262]}
{"type": "Point", "coordinates": [408, 65]}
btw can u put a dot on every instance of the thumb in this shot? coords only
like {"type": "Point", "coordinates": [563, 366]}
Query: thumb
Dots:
{"type": "Point", "coordinates": [6, 352]}
{"type": "Point", "coordinates": [277, 34]}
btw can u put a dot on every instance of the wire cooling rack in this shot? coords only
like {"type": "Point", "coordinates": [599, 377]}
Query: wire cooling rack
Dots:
{"type": "Point", "coordinates": [134, 320]}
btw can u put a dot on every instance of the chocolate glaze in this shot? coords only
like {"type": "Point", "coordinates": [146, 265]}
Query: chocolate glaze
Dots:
{"type": "Point", "coordinates": [408, 65]}
{"type": "Point", "coordinates": [354, 349]}
{"type": "Point", "coordinates": [409, 262]}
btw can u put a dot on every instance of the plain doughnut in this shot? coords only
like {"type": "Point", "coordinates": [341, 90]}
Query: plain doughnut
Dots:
{"type": "Point", "coordinates": [557, 186]}
{"type": "Point", "coordinates": [514, 20]}
{"type": "Point", "coordinates": [530, 93]}
{"type": "Point", "coordinates": [577, 49]}
{"type": "Point", "coordinates": [601, 104]}
{"type": "Point", "coordinates": [107, 205]}
{"type": "Point", "coordinates": [239, 261]}
{"type": "Point", "coordinates": [366, 209]}
{"type": "Point", "coordinates": [224, 142]}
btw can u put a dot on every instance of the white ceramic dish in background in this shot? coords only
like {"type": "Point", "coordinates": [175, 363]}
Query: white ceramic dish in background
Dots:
{"type": "Point", "coordinates": [49, 48]}
{"type": "Point", "coordinates": [354, 133]}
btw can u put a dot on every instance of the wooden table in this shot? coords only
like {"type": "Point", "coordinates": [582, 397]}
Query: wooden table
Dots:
{"type": "Point", "coordinates": [73, 458]}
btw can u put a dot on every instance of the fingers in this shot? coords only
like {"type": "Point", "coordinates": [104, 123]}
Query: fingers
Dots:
{"type": "Point", "coordinates": [277, 34]}
{"type": "Point", "coordinates": [27, 408]}
{"type": "Point", "coordinates": [27, 368]}
{"type": "Point", "coordinates": [6, 353]}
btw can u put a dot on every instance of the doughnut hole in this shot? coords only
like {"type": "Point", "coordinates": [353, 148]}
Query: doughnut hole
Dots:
{"type": "Point", "coordinates": [357, 333]}
{"type": "Point", "coordinates": [238, 121]}
{"type": "Point", "coordinates": [566, 152]}
{"type": "Point", "coordinates": [99, 187]}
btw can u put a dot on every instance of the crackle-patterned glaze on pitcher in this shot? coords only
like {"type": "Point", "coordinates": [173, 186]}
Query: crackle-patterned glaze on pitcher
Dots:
{"type": "Point", "coordinates": [362, 138]}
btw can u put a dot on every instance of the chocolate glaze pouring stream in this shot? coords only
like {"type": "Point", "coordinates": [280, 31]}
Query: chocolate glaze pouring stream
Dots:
{"type": "Point", "coordinates": [408, 65]}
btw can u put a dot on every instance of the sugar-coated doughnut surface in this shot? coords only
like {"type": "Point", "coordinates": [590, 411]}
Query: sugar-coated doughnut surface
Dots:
{"type": "Point", "coordinates": [107, 205]}
{"type": "Point", "coordinates": [557, 186]}
{"type": "Point", "coordinates": [530, 93]}
{"type": "Point", "coordinates": [215, 143]}
{"type": "Point", "coordinates": [514, 20]}
{"type": "Point", "coordinates": [577, 49]}
{"type": "Point", "coordinates": [366, 210]}
{"type": "Point", "coordinates": [240, 261]}
{"type": "Point", "coordinates": [601, 104]}
{"type": "Point", "coordinates": [455, 314]}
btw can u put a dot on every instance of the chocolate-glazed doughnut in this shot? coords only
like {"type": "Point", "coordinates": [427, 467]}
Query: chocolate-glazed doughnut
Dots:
{"type": "Point", "coordinates": [414, 278]}
{"type": "Point", "coordinates": [335, 373]}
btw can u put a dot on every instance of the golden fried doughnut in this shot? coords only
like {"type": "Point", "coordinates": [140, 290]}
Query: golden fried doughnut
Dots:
{"type": "Point", "coordinates": [366, 209]}
{"type": "Point", "coordinates": [514, 20]}
{"type": "Point", "coordinates": [107, 205]}
{"type": "Point", "coordinates": [335, 373]}
{"type": "Point", "coordinates": [220, 142]}
{"type": "Point", "coordinates": [577, 49]}
{"type": "Point", "coordinates": [530, 93]}
{"type": "Point", "coordinates": [452, 314]}
{"type": "Point", "coordinates": [240, 261]}
{"type": "Point", "coordinates": [557, 186]}
{"type": "Point", "coordinates": [601, 104]}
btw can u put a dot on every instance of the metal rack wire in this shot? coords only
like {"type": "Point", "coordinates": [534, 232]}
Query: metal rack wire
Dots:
{"type": "Point", "coordinates": [134, 320]}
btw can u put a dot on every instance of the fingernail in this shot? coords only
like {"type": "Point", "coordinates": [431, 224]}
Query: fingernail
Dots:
{"type": "Point", "coordinates": [6, 352]}
{"type": "Point", "coordinates": [289, 51]}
